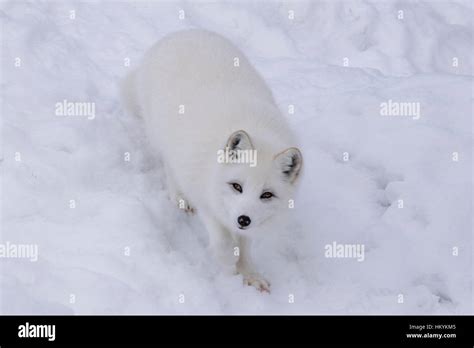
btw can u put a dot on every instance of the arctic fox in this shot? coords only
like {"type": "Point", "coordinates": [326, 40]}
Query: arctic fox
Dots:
{"type": "Point", "coordinates": [227, 150]}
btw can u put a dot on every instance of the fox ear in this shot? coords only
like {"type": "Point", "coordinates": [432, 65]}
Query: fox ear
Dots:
{"type": "Point", "coordinates": [289, 162]}
{"type": "Point", "coordinates": [239, 140]}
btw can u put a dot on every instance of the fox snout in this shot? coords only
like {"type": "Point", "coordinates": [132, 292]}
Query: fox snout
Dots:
{"type": "Point", "coordinates": [243, 221]}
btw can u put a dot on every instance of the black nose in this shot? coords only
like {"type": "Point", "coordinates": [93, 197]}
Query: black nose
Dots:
{"type": "Point", "coordinates": [244, 220]}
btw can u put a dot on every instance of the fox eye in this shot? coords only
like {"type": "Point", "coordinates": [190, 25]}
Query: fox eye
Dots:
{"type": "Point", "coordinates": [266, 195]}
{"type": "Point", "coordinates": [236, 187]}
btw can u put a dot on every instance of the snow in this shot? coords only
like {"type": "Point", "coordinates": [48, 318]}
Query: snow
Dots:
{"type": "Point", "coordinates": [125, 249]}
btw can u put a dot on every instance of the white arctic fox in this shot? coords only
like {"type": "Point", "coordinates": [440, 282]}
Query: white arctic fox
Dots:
{"type": "Point", "coordinates": [227, 150]}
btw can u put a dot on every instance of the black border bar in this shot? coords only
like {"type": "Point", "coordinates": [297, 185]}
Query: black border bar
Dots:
{"type": "Point", "coordinates": [260, 330]}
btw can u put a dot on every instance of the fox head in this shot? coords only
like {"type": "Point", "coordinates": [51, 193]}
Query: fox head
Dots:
{"type": "Point", "coordinates": [252, 185]}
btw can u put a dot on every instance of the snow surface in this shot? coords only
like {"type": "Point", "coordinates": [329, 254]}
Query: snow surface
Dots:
{"type": "Point", "coordinates": [120, 204]}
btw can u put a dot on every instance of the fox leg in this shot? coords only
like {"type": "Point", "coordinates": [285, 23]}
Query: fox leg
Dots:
{"type": "Point", "coordinates": [221, 244]}
{"type": "Point", "coordinates": [247, 269]}
{"type": "Point", "coordinates": [175, 194]}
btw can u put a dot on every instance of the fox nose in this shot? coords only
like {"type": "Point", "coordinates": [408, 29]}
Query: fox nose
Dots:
{"type": "Point", "coordinates": [244, 220]}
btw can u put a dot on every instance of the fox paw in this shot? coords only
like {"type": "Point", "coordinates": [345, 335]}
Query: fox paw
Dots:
{"type": "Point", "coordinates": [257, 281]}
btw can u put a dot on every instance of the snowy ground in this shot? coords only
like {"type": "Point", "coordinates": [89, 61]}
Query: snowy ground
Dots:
{"type": "Point", "coordinates": [125, 249]}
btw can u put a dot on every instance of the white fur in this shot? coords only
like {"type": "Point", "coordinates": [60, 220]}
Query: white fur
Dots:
{"type": "Point", "coordinates": [196, 69]}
